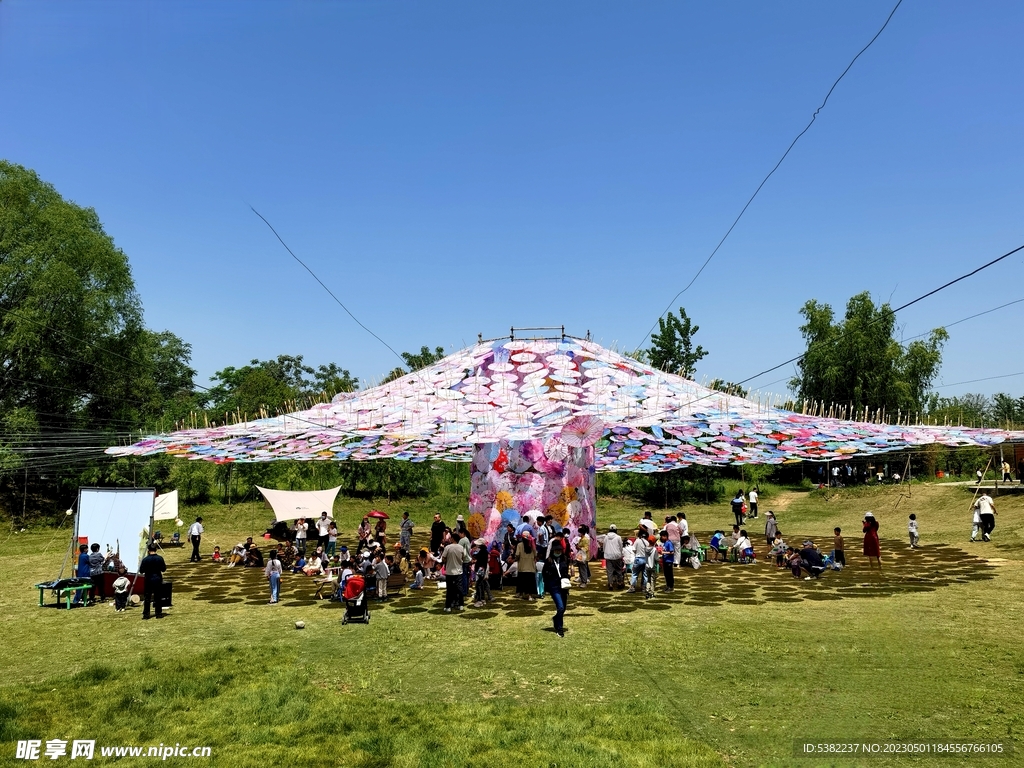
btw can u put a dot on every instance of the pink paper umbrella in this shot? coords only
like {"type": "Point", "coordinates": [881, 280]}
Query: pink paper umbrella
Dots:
{"type": "Point", "coordinates": [582, 431]}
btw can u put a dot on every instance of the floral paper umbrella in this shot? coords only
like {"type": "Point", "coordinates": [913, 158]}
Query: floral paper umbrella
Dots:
{"type": "Point", "coordinates": [582, 431]}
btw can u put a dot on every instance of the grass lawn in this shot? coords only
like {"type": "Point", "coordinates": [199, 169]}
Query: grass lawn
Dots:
{"type": "Point", "coordinates": [734, 668]}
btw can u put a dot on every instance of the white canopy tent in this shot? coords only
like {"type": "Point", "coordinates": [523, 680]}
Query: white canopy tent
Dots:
{"type": "Point", "coordinates": [166, 506]}
{"type": "Point", "coordinates": [291, 505]}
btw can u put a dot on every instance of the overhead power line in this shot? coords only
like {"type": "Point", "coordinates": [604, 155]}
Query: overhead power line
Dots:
{"type": "Point", "coordinates": [771, 172]}
{"type": "Point", "coordinates": [324, 286]}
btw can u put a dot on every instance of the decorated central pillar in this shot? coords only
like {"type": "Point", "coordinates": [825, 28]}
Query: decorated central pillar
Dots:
{"type": "Point", "coordinates": [516, 479]}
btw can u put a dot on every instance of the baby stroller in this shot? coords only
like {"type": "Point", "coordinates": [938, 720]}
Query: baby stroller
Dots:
{"type": "Point", "coordinates": [354, 596]}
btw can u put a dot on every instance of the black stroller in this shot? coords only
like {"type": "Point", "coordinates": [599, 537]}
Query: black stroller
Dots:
{"type": "Point", "coordinates": [354, 596]}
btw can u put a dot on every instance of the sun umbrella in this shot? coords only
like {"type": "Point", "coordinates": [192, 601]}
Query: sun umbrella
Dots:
{"type": "Point", "coordinates": [378, 513]}
{"type": "Point", "coordinates": [582, 431]}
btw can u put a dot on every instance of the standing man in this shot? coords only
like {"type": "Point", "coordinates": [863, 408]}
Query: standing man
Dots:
{"type": "Point", "coordinates": [152, 570]}
{"type": "Point", "coordinates": [452, 557]}
{"type": "Point", "coordinates": [405, 535]}
{"type": "Point", "coordinates": [467, 558]}
{"type": "Point", "coordinates": [301, 527]}
{"type": "Point", "coordinates": [436, 534]}
{"type": "Point", "coordinates": [1007, 477]}
{"type": "Point", "coordinates": [323, 528]}
{"type": "Point", "coordinates": [195, 535]}
{"type": "Point", "coordinates": [737, 506]}
{"type": "Point", "coordinates": [753, 499]}
{"type": "Point", "coordinates": [613, 558]}
{"type": "Point", "coordinates": [986, 511]}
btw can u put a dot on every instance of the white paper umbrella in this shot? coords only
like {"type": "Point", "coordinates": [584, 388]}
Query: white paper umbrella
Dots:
{"type": "Point", "coordinates": [582, 431]}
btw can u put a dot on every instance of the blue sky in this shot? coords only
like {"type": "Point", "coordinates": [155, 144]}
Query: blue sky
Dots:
{"type": "Point", "coordinates": [454, 168]}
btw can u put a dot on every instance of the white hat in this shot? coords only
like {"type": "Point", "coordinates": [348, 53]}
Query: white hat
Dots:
{"type": "Point", "coordinates": [459, 519]}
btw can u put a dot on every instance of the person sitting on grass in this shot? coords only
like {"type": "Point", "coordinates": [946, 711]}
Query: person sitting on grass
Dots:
{"type": "Point", "coordinates": [718, 546]}
{"type": "Point", "coordinates": [419, 576]}
{"type": "Point", "coordinates": [217, 557]}
{"type": "Point", "coordinates": [288, 555]}
{"type": "Point", "coordinates": [255, 558]}
{"type": "Point", "coordinates": [313, 567]}
{"type": "Point", "coordinates": [238, 555]}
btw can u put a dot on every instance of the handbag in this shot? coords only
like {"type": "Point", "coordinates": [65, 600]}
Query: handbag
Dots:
{"type": "Point", "coordinates": [565, 583]}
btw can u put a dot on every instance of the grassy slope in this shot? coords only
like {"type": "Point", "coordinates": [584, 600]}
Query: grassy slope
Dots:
{"type": "Point", "coordinates": [733, 667]}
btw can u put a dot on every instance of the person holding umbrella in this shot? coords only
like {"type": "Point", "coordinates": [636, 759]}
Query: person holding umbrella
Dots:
{"type": "Point", "coordinates": [380, 530]}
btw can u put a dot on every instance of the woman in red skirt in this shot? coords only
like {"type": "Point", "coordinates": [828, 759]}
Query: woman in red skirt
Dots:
{"type": "Point", "coordinates": [872, 549]}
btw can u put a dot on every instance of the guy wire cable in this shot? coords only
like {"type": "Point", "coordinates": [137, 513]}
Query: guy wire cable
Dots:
{"type": "Point", "coordinates": [910, 303]}
{"type": "Point", "coordinates": [773, 170]}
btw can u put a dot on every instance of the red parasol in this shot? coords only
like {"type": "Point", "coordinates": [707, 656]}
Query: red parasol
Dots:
{"type": "Point", "coordinates": [582, 431]}
{"type": "Point", "coordinates": [378, 513]}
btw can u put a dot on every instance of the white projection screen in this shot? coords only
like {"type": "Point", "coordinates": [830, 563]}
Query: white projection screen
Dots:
{"type": "Point", "coordinates": [118, 518]}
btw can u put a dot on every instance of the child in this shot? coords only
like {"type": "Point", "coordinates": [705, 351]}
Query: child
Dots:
{"type": "Point", "coordinates": [912, 529]}
{"type": "Point", "coordinates": [217, 558]}
{"type": "Point", "coordinates": [743, 548]}
{"type": "Point", "coordinates": [583, 555]}
{"type": "Point", "coordinates": [667, 550]}
{"type": "Point", "coordinates": [793, 561]}
{"type": "Point", "coordinates": [778, 550]}
{"type": "Point", "coordinates": [418, 579]}
{"type": "Point", "coordinates": [838, 548]}
{"type": "Point", "coordinates": [381, 572]}
{"type": "Point", "coordinates": [717, 545]}
{"type": "Point", "coordinates": [121, 584]}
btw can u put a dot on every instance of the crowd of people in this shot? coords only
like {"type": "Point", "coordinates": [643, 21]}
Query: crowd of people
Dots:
{"type": "Point", "coordinates": [536, 557]}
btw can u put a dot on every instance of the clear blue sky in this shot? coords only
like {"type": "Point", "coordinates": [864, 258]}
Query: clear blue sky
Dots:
{"type": "Point", "coordinates": [461, 167]}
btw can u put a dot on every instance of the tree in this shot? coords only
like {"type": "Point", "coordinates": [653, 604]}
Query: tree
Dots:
{"type": "Point", "coordinates": [721, 385]}
{"type": "Point", "coordinates": [67, 299]}
{"type": "Point", "coordinates": [672, 346]}
{"type": "Point", "coordinates": [274, 385]}
{"type": "Point", "coordinates": [415, 361]}
{"type": "Point", "coordinates": [1007, 409]}
{"type": "Point", "coordinates": [858, 363]}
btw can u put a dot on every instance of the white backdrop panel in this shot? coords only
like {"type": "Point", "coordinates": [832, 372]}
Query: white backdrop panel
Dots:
{"type": "Point", "coordinates": [118, 518]}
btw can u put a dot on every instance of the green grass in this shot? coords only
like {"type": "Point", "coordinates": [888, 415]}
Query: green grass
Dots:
{"type": "Point", "coordinates": [730, 669]}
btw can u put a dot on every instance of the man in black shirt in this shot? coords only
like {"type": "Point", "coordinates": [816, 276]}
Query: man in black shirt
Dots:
{"type": "Point", "coordinates": [811, 560]}
{"type": "Point", "coordinates": [152, 570]}
{"type": "Point", "coordinates": [436, 534]}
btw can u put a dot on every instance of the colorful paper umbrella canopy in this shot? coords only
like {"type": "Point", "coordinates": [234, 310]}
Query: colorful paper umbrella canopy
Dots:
{"type": "Point", "coordinates": [582, 431]}
{"type": "Point", "coordinates": [556, 392]}
{"type": "Point", "coordinates": [377, 513]}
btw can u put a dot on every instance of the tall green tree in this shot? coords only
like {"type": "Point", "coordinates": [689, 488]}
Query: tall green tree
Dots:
{"type": "Point", "coordinates": [672, 348]}
{"type": "Point", "coordinates": [857, 362]}
{"type": "Point", "coordinates": [67, 300]}
{"type": "Point", "coordinates": [274, 384]}
{"type": "Point", "coordinates": [414, 361]}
